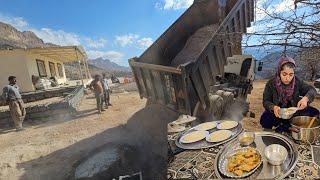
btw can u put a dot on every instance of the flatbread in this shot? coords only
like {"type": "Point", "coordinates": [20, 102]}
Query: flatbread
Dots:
{"type": "Point", "coordinates": [193, 136]}
{"type": "Point", "coordinates": [227, 125]}
{"type": "Point", "coordinates": [206, 126]}
{"type": "Point", "coordinates": [219, 136]}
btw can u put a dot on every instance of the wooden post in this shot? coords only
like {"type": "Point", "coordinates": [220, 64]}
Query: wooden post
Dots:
{"type": "Point", "coordinates": [88, 71]}
{"type": "Point", "coordinates": [79, 67]}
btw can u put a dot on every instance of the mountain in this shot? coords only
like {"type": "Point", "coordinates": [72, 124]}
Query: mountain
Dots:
{"type": "Point", "coordinates": [270, 62]}
{"type": "Point", "coordinates": [260, 52]}
{"type": "Point", "coordinates": [10, 37]}
{"type": "Point", "coordinates": [107, 65]}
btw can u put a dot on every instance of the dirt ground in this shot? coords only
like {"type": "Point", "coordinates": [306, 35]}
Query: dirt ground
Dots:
{"type": "Point", "coordinates": [48, 149]}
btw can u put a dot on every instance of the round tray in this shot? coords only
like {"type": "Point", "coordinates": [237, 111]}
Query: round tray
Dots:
{"type": "Point", "coordinates": [266, 171]}
{"type": "Point", "coordinates": [203, 143]}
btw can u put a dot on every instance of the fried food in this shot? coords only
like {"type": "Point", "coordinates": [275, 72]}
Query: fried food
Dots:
{"type": "Point", "coordinates": [243, 161]}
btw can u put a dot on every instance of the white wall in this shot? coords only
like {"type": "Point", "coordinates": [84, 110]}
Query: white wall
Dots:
{"type": "Point", "coordinates": [14, 64]}
{"type": "Point", "coordinates": [33, 68]}
{"type": "Point", "coordinates": [23, 65]}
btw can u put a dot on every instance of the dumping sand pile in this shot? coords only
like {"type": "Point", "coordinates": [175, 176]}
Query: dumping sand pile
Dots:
{"type": "Point", "coordinates": [195, 44]}
{"type": "Point", "coordinates": [145, 135]}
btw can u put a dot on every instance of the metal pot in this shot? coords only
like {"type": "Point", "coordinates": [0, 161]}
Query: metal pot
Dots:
{"type": "Point", "coordinates": [306, 135]}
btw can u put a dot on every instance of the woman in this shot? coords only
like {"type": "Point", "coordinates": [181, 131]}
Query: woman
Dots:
{"type": "Point", "coordinates": [283, 91]}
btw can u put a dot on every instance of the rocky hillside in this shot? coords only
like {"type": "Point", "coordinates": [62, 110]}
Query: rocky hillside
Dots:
{"type": "Point", "coordinates": [107, 65]}
{"type": "Point", "coordinates": [11, 37]}
{"type": "Point", "coordinates": [270, 62]}
{"type": "Point", "coordinates": [72, 71]}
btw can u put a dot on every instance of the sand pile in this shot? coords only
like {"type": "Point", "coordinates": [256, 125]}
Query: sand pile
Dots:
{"type": "Point", "coordinates": [145, 138]}
{"type": "Point", "coordinates": [195, 44]}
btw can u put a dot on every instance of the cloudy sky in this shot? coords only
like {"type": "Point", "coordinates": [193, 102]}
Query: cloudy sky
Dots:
{"type": "Point", "coordinates": [117, 30]}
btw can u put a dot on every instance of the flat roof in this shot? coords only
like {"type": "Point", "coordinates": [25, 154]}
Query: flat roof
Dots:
{"type": "Point", "coordinates": [60, 53]}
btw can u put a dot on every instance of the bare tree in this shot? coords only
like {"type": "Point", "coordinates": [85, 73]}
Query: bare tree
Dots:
{"type": "Point", "coordinates": [296, 26]}
{"type": "Point", "coordinates": [310, 60]}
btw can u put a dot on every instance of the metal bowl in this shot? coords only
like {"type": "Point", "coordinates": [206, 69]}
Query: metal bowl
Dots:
{"type": "Point", "coordinates": [246, 138]}
{"type": "Point", "coordinates": [287, 113]}
{"type": "Point", "coordinates": [275, 154]}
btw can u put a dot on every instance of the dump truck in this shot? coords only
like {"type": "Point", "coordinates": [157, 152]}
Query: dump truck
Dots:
{"type": "Point", "coordinates": [199, 58]}
{"type": "Point", "coordinates": [196, 67]}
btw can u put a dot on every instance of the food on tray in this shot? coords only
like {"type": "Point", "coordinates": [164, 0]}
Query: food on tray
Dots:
{"type": "Point", "coordinates": [206, 126]}
{"type": "Point", "coordinates": [227, 124]}
{"type": "Point", "coordinates": [193, 136]}
{"type": "Point", "coordinates": [219, 136]}
{"type": "Point", "coordinates": [243, 161]}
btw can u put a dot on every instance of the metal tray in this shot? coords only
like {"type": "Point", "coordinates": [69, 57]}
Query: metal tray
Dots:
{"type": "Point", "coordinates": [266, 171]}
{"type": "Point", "coordinates": [203, 143]}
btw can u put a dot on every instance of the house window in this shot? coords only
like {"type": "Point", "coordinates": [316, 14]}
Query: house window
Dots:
{"type": "Point", "coordinates": [60, 71]}
{"type": "Point", "coordinates": [41, 68]}
{"type": "Point", "coordinates": [52, 68]}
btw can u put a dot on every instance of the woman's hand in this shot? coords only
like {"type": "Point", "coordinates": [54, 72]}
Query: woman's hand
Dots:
{"type": "Point", "coordinates": [303, 103]}
{"type": "Point", "coordinates": [276, 111]}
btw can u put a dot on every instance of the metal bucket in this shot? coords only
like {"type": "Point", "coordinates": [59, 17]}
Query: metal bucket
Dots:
{"type": "Point", "coordinates": [306, 135]}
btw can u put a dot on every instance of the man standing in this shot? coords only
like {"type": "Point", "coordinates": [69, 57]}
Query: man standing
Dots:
{"type": "Point", "coordinates": [96, 86]}
{"type": "Point", "coordinates": [106, 90]}
{"type": "Point", "coordinates": [13, 97]}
